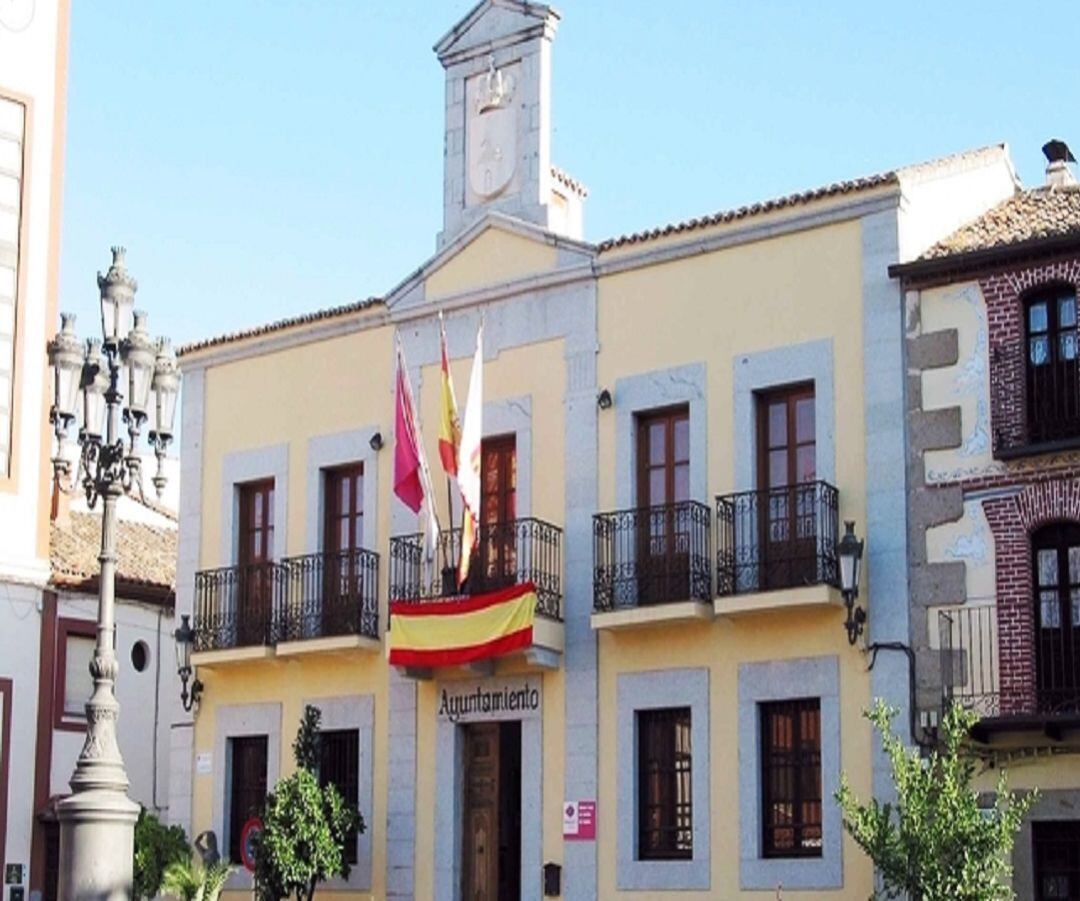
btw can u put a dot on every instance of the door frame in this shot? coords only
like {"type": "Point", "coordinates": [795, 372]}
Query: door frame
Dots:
{"type": "Point", "coordinates": [450, 792]}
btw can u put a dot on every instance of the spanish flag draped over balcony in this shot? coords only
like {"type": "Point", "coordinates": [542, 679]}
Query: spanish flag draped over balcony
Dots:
{"type": "Point", "coordinates": [450, 633]}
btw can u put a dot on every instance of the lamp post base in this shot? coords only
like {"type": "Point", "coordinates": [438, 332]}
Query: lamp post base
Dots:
{"type": "Point", "coordinates": [97, 845]}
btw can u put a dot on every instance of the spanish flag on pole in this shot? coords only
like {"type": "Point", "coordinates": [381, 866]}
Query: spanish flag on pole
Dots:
{"type": "Point", "coordinates": [468, 474]}
{"type": "Point", "coordinates": [449, 423]}
{"type": "Point", "coordinates": [451, 633]}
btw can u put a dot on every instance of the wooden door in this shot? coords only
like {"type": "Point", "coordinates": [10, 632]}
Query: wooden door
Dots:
{"type": "Point", "coordinates": [343, 536]}
{"type": "Point", "coordinates": [255, 555]}
{"type": "Point", "coordinates": [247, 791]}
{"type": "Point", "coordinates": [480, 836]}
{"type": "Point", "coordinates": [787, 469]}
{"type": "Point", "coordinates": [1056, 567]}
{"type": "Point", "coordinates": [663, 525]}
{"type": "Point", "coordinates": [497, 551]}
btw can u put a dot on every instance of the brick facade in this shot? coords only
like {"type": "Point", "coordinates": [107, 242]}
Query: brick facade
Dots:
{"type": "Point", "coordinates": [1004, 292]}
{"type": "Point", "coordinates": [1034, 490]}
{"type": "Point", "coordinates": [1013, 518]}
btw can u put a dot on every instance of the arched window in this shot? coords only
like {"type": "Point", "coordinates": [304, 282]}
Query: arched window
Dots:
{"type": "Point", "coordinates": [1053, 381]}
{"type": "Point", "coordinates": [1056, 570]}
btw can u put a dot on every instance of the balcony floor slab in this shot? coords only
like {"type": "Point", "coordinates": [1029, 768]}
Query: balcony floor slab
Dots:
{"type": "Point", "coordinates": [802, 598]}
{"type": "Point", "coordinates": [223, 656]}
{"type": "Point", "coordinates": [652, 615]}
{"type": "Point", "coordinates": [332, 644]}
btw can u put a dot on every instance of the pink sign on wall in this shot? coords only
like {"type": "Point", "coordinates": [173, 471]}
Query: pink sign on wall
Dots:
{"type": "Point", "coordinates": [579, 821]}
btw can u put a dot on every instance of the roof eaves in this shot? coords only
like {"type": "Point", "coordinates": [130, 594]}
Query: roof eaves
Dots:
{"type": "Point", "coordinates": [982, 257]}
{"type": "Point", "coordinates": [279, 325]}
{"type": "Point", "coordinates": [748, 211]}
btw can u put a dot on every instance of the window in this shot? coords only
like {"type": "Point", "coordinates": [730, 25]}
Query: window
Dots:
{"type": "Point", "coordinates": [787, 468]}
{"type": "Point", "coordinates": [1053, 390]}
{"type": "Point", "coordinates": [1056, 846]}
{"type": "Point", "coordinates": [1056, 567]}
{"type": "Point", "coordinates": [75, 640]}
{"type": "Point", "coordinates": [12, 220]}
{"type": "Point", "coordinates": [663, 528]}
{"type": "Point", "coordinates": [254, 555]}
{"type": "Point", "coordinates": [665, 822]}
{"type": "Point", "coordinates": [791, 778]}
{"type": "Point", "coordinates": [247, 786]}
{"type": "Point", "coordinates": [343, 527]}
{"type": "Point", "coordinates": [339, 759]}
{"type": "Point", "coordinates": [497, 549]}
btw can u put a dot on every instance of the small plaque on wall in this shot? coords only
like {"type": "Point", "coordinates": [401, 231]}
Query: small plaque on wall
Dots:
{"type": "Point", "coordinates": [13, 874]}
{"type": "Point", "coordinates": [203, 764]}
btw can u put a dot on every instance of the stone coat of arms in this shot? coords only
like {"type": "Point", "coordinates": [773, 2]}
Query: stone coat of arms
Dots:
{"type": "Point", "coordinates": [492, 140]}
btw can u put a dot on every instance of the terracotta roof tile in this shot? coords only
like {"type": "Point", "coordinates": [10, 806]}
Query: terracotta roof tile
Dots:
{"type": "Point", "coordinates": [279, 325]}
{"type": "Point", "coordinates": [146, 554]}
{"type": "Point", "coordinates": [754, 209]}
{"type": "Point", "coordinates": [569, 182]}
{"type": "Point", "coordinates": [1028, 216]}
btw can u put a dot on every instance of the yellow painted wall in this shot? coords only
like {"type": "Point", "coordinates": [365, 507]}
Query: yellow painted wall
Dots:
{"type": "Point", "coordinates": [755, 297]}
{"type": "Point", "coordinates": [493, 257]}
{"type": "Point", "coordinates": [320, 388]}
{"type": "Point", "coordinates": [291, 683]}
{"type": "Point", "coordinates": [710, 309]}
{"type": "Point", "coordinates": [764, 295]}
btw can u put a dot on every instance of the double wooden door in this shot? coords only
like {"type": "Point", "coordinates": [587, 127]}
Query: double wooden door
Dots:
{"type": "Point", "coordinates": [495, 564]}
{"type": "Point", "coordinates": [787, 508]}
{"type": "Point", "coordinates": [663, 516]}
{"type": "Point", "coordinates": [255, 576]}
{"type": "Point", "coordinates": [343, 537]}
{"type": "Point", "coordinates": [491, 845]}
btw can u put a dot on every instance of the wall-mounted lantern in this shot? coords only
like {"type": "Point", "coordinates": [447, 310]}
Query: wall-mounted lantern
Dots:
{"type": "Point", "coordinates": [185, 641]}
{"type": "Point", "coordinates": [603, 399]}
{"type": "Point", "coordinates": [850, 549]}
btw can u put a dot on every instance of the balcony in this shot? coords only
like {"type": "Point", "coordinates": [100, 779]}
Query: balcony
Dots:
{"type": "Point", "coordinates": [1030, 690]}
{"type": "Point", "coordinates": [652, 565]}
{"type": "Point", "coordinates": [520, 551]}
{"type": "Point", "coordinates": [777, 548]}
{"type": "Point", "coordinates": [322, 601]}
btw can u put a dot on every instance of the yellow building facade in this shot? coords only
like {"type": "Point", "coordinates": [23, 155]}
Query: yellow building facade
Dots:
{"type": "Point", "coordinates": [676, 426]}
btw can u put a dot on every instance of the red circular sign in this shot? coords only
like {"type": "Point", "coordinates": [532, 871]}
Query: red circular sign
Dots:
{"type": "Point", "coordinates": [251, 831]}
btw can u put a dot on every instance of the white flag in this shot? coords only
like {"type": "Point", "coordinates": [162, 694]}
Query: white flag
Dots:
{"type": "Point", "coordinates": [468, 474]}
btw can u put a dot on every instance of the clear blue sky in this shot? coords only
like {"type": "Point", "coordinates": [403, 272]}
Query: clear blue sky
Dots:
{"type": "Point", "coordinates": [264, 159]}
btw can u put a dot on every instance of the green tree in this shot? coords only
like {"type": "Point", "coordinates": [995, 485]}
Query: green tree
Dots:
{"type": "Point", "coordinates": [936, 842]}
{"type": "Point", "coordinates": [156, 847]}
{"type": "Point", "coordinates": [306, 827]}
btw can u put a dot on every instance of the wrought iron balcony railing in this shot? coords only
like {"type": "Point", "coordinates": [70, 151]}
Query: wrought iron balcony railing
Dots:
{"type": "Point", "coordinates": [651, 555]}
{"type": "Point", "coordinates": [509, 553]}
{"type": "Point", "coordinates": [237, 606]}
{"type": "Point", "coordinates": [1040, 679]}
{"type": "Point", "coordinates": [330, 594]}
{"type": "Point", "coordinates": [777, 538]}
{"type": "Point", "coordinates": [314, 596]}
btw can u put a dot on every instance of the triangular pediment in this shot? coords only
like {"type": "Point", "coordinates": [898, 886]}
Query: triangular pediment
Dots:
{"type": "Point", "coordinates": [497, 251]}
{"type": "Point", "coordinates": [492, 24]}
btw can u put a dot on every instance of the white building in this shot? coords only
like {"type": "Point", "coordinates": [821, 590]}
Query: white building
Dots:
{"type": "Point", "coordinates": [48, 550]}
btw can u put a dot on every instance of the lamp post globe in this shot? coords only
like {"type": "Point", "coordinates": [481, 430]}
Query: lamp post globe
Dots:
{"type": "Point", "coordinates": [97, 820]}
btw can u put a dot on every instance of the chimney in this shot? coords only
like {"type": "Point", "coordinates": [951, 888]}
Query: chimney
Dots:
{"type": "Point", "coordinates": [1058, 156]}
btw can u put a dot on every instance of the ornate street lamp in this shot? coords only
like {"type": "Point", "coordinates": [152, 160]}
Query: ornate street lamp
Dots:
{"type": "Point", "coordinates": [97, 820]}
{"type": "Point", "coordinates": [850, 550]}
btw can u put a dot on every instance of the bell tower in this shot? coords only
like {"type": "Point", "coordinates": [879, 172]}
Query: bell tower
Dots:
{"type": "Point", "coordinates": [497, 150]}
